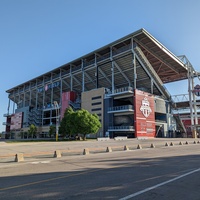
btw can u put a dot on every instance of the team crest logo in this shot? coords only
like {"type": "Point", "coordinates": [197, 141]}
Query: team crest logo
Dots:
{"type": "Point", "coordinates": [196, 90]}
{"type": "Point", "coordinates": [145, 108]}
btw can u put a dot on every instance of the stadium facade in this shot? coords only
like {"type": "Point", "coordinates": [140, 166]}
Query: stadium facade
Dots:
{"type": "Point", "coordinates": [122, 82]}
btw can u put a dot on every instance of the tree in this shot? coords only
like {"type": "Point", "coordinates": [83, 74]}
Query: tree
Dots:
{"type": "Point", "coordinates": [79, 122]}
{"type": "Point", "coordinates": [52, 130]}
{"type": "Point", "coordinates": [84, 123]}
{"type": "Point", "coordinates": [32, 130]}
{"type": "Point", "coordinates": [66, 123]}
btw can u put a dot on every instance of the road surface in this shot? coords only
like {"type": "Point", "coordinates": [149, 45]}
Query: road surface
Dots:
{"type": "Point", "coordinates": [166, 172]}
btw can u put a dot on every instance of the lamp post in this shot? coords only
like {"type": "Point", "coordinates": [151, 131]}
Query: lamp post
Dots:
{"type": "Point", "coordinates": [57, 118]}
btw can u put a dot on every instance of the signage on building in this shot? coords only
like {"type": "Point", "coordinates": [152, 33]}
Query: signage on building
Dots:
{"type": "Point", "coordinates": [16, 121]}
{"type": "Point", "coordinates": [145, 107]}
{"type": "Point", "coordinates": [49, 86]}
{"type": "Point", "coordinates": [144, 114]}
{"type": "Point", "coordinates": [66, 98]}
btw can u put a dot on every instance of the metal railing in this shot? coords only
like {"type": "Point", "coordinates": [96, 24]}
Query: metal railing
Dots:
{"type": "Point", "coordinates": [6, 124]}
{"type": "Point", "coordinates": [120, 127]}
{"type": "Point", "coordinates": [75, 105]}
{"type": "Point", "coordinates": [6, 115]}
{"type": "Point", "coordinates": [124, 89]}
{"type": "Point", "coordinates": [119, 108]}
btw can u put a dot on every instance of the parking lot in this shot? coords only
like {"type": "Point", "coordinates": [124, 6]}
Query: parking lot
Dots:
{"type": "Point", "coordinates": [163, 172]}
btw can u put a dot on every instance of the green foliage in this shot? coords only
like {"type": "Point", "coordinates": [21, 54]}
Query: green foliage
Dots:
{"type": "Point", "coordinates": [32, 132]}
{"type": "Point", "coordinates": [66, 123]}
{"type": "Point", "coordinates": [52, 130]}
{"type": "Point", "coordinates": [79, 122]}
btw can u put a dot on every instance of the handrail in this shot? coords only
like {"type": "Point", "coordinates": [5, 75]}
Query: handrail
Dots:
{"type": "Point", "coordinates": [120, 127]}
{"type": "Point", "coordinates": [124, 107]}
{"type": "Point", "coordinates": [124, 89]}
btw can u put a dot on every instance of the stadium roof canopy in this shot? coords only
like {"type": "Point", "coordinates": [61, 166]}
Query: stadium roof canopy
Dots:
{"type": "Point", "coordinates": [166, 65]}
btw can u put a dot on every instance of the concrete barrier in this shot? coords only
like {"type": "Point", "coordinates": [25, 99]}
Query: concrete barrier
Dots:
{"type": "Point", "coordinates": [120, 138]}
{"type": "Point", "coordinates": [19, 157]}
{"type": "Point", "coordinates": [86, 151]}
{"type": "Point", "coordinates": [108, 149]}
{"type": "Point", "coordinates": [186, 142]}
{"type": "Point", "coordinates": [166, 144]}
{"type": "Point", "coordinates": [126, 148]}
{"type": "Point", "coordinates": [171, 144]}
{"type": "Point", "coordinates": [103, 139]}
{"type": "Point", "coordinates": [180, 143]}
{"type": "Point", "coordinates": [194, 142]}
{"type": "Point", "coordinates": [139, 146]}
{"type": "Point", "coordinates": [152, 146]}
{"type": "Point", "coordinates": [57, 154]}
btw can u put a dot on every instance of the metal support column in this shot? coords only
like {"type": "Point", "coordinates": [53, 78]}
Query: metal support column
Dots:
{"type": "Point", "coordinates": [191, 100]}
{"type": "Point", "coordinates": [61, 88]}
{"type": "Point", "coordinates": [112, 71]}
{"type": "Point", "coordinates": [83, 76]}
{"type": "Point", "coordinates": [36, 98]}
{"type": "Point", "coordinates": [134, 63]}
{"type": "Point", "coordinates": [57, 118]}
{"type": "Point", "coordinates": [71, 79]}
{"type": "Point", "coordinates": [96, 73]}
{"type": "Point", "coordinates": [151, 86]}
{"type": "Point", "coordinates": [134, 69]}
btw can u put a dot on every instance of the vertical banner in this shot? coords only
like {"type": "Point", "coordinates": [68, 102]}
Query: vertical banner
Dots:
{"type": "Point", "coordinates": [66, 98]}
{"type": "Point", "coordinates": [144, 114]}
{"type": "Point", "coordinates": [16, 121]}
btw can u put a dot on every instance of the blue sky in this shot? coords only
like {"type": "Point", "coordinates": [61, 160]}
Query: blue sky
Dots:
{"type": "Point", "coordinates": [37, 36]}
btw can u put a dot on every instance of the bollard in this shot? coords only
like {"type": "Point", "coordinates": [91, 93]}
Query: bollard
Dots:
{"type": "Point", "coordinates": [166, 144]}
{"type": "Point", "coordinates": [126, 148]}
{"type": "Point", "coordinates": [108, 149]}
{"type": "Point", "coordinates": [57, 154]}
{"type": "Point", "coordinates": [198, 142]}
{"type": "Point", "coordinates": [86, 151]}
{"type": "Point", "coordinates": [186, 142]}
{"type": "Point", "coordinates": [152, 146]}
{"type": "Point", "coordinates": [19, 157]}
{"type": "Point", "coordinates": [180, 143]}
{"type": "Point", "coordinates": [171, 144]}
{"type": "Point", "coordinates": [139, 146]}
{"type": "Point", "coordinates": [194, 142]}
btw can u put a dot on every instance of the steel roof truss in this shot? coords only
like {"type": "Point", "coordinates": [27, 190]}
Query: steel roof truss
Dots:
{"type": "Point", "coordinates": [155, 55]}
{"type": "Point", "coordinates": [104, 75]}
{"type": "Point", "coordinates": [143, 66]}
{"type": "Point", "coordinates": [88, 76]}
{"type": "Point", "coordinates": [124, 75]}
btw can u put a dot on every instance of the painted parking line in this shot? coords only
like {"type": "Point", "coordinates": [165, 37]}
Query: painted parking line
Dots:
{"type": "Point", "coordinates": [158, 185]}
{"type": "Point", "coordinates": [38, 162]}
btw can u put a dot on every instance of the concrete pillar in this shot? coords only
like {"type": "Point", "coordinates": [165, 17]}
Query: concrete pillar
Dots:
{"type": "Point", "coordinates": [86, 151]}
{"type": "Point", "coordinates": [108, 149]}
{"type": "Point", "coordinates": [126, 148]}
{"type": "Point", "coordinates": [57, 154]}
{"type": "Point", "coordinates": [19, 157]}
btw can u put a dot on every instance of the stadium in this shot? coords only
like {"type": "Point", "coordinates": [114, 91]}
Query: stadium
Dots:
{"type": "Point", "coordinates": [122, 82]}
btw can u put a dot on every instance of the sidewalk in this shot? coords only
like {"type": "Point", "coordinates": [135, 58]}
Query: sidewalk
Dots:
{"type": "Point", "coordinates": [41, 150]}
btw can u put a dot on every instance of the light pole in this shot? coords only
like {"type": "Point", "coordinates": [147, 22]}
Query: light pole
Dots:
{"type": "Point", "coordinates": [57, 118]}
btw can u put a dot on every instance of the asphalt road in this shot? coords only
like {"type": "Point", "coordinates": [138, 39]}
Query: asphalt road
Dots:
{"type": "Point", "coordinates": [161, 173]}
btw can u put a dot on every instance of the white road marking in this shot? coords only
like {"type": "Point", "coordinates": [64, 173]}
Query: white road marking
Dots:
{"type": "Point", "coordinates": [158, 185]}
{"type": "Point", "coordinates": [44, 162]}
{"type": "Point", "coordinates": [34, 162]}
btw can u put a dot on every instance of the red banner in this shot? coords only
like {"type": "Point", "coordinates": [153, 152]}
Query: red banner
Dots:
{"type": "Point", "coordinates": [144, 114]}
{"type": "Point", "coordinates": [16, 121]}
{"type": "Point", "coordinates": [66, 98]}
